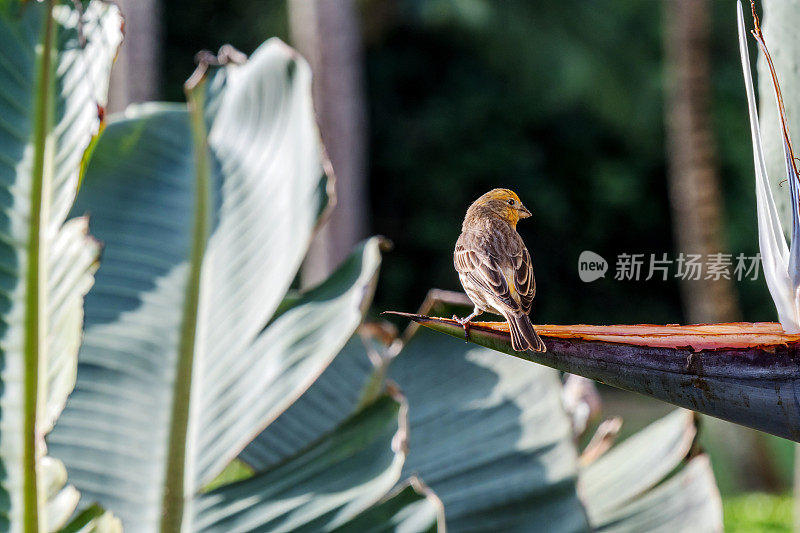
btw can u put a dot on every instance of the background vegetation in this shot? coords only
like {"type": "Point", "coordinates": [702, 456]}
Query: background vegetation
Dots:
{"type": "Point", "coordinates": [566, 110]}
{"type": "Point", "coordinates": [562, 102]}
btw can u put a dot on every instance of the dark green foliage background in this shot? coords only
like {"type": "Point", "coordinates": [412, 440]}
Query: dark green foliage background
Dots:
{"type": "Point", "coordinates": [560, 101]}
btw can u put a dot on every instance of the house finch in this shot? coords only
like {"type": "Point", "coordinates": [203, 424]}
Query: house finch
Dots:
{"type": "Point", "coordinates": [495, 267]}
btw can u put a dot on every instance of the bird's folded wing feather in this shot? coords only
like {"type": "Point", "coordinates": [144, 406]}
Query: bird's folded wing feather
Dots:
{"type": "Point", "coordinates": [524, 280]}
{"type": "Point", "coordinates": [484, 271]}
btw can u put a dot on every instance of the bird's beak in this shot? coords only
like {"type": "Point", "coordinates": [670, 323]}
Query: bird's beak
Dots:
{"type": "Point", "coordinates": [523, 212]}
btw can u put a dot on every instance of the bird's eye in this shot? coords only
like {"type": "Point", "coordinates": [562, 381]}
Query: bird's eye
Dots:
{"type": "Point", "coordinates": [511, 201]}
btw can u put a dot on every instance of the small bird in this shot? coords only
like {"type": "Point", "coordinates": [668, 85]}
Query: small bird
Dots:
{"type": "Point", "coordinates": [495, 267]}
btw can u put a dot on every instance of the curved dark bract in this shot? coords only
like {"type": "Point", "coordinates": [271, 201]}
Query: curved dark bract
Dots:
{"type": "Point", "coordinates": [753, 384]}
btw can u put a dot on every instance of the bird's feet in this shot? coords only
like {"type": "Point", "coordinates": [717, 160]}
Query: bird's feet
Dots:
{"type": "Point", "coordinates": [465, 323]}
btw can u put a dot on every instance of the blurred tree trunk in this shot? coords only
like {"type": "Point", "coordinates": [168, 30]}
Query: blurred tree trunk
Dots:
{"type": "Point", "coordinates": [136, 75]}
{"type": "Point", "coordinates": [693, 181]}
{"type": "Point", "coordinates": [327, 33]}
{"type": "Point", "coordinates": [695, 194]}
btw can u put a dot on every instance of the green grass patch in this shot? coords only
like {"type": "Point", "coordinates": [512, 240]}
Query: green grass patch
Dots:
{"type": "Point", "coordinates": [757, 512]}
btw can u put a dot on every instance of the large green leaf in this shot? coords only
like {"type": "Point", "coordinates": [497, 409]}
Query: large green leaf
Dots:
{"type": "Point", "coordinates": [632, 487]}
{"type": "Point", "coordinates": [638, 464]}
{"type": "Point", "coordinates": [205, 216]}
{"type": "Point", "coordinates": [489, 435]}
{"type": "Point", "coordinates": [304, 338]}
{"type": "Point", "coordinates": [688, 501]}
{"type": "Point", "coordinates": [411, 508]}
{"type": "Point", "coordinates": [53, 76]}
{"type": "Point", "coordinates": [140, 205]}
{"type": "Point", "coordinates": [333, 397]}
{"type": "Point", "coordinates": [349, 382]}
{"type": "Point", "coordinates": [322, 487]}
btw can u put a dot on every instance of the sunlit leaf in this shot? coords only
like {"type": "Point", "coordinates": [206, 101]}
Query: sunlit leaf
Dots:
{"type": "Point", "coordinates": [53, 76]}
{"type": "Point", "coordinates": [205, 217]}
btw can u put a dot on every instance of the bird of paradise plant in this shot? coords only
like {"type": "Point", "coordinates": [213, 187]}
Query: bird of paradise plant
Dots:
{"type": "Point", "coordinates": [780, 262]}
{"type": "Point", "coordinates": [746, 373]}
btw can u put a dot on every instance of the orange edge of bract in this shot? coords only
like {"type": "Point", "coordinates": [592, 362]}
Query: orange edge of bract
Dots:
{"type": "Point", "coordinates": [734, 335]}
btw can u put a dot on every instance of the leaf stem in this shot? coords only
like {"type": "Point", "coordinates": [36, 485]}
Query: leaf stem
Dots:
{"type": "Point", "coordinates": [175, 482]}
{"type": "Point", "coordinates": [35, 278]}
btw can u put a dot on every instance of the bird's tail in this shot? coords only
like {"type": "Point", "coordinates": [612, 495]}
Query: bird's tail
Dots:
{"type": "Point", "coordinates": [523, 336]}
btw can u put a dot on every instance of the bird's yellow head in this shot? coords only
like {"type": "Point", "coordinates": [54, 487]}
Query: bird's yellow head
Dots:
{"type": "Point", "coordinates": [501, 203]}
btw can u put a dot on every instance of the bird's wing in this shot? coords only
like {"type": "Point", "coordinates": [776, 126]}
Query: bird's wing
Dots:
{"type": "Point", "coordinates": [524, 281]}
{"type": "Point", "coordinates": [483, 270]}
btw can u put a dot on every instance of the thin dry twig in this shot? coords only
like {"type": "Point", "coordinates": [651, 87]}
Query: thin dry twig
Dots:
{"type": "Point", "coordinates": [602, 440]}
{"type": "Point", "coordinates": [227, 55]}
